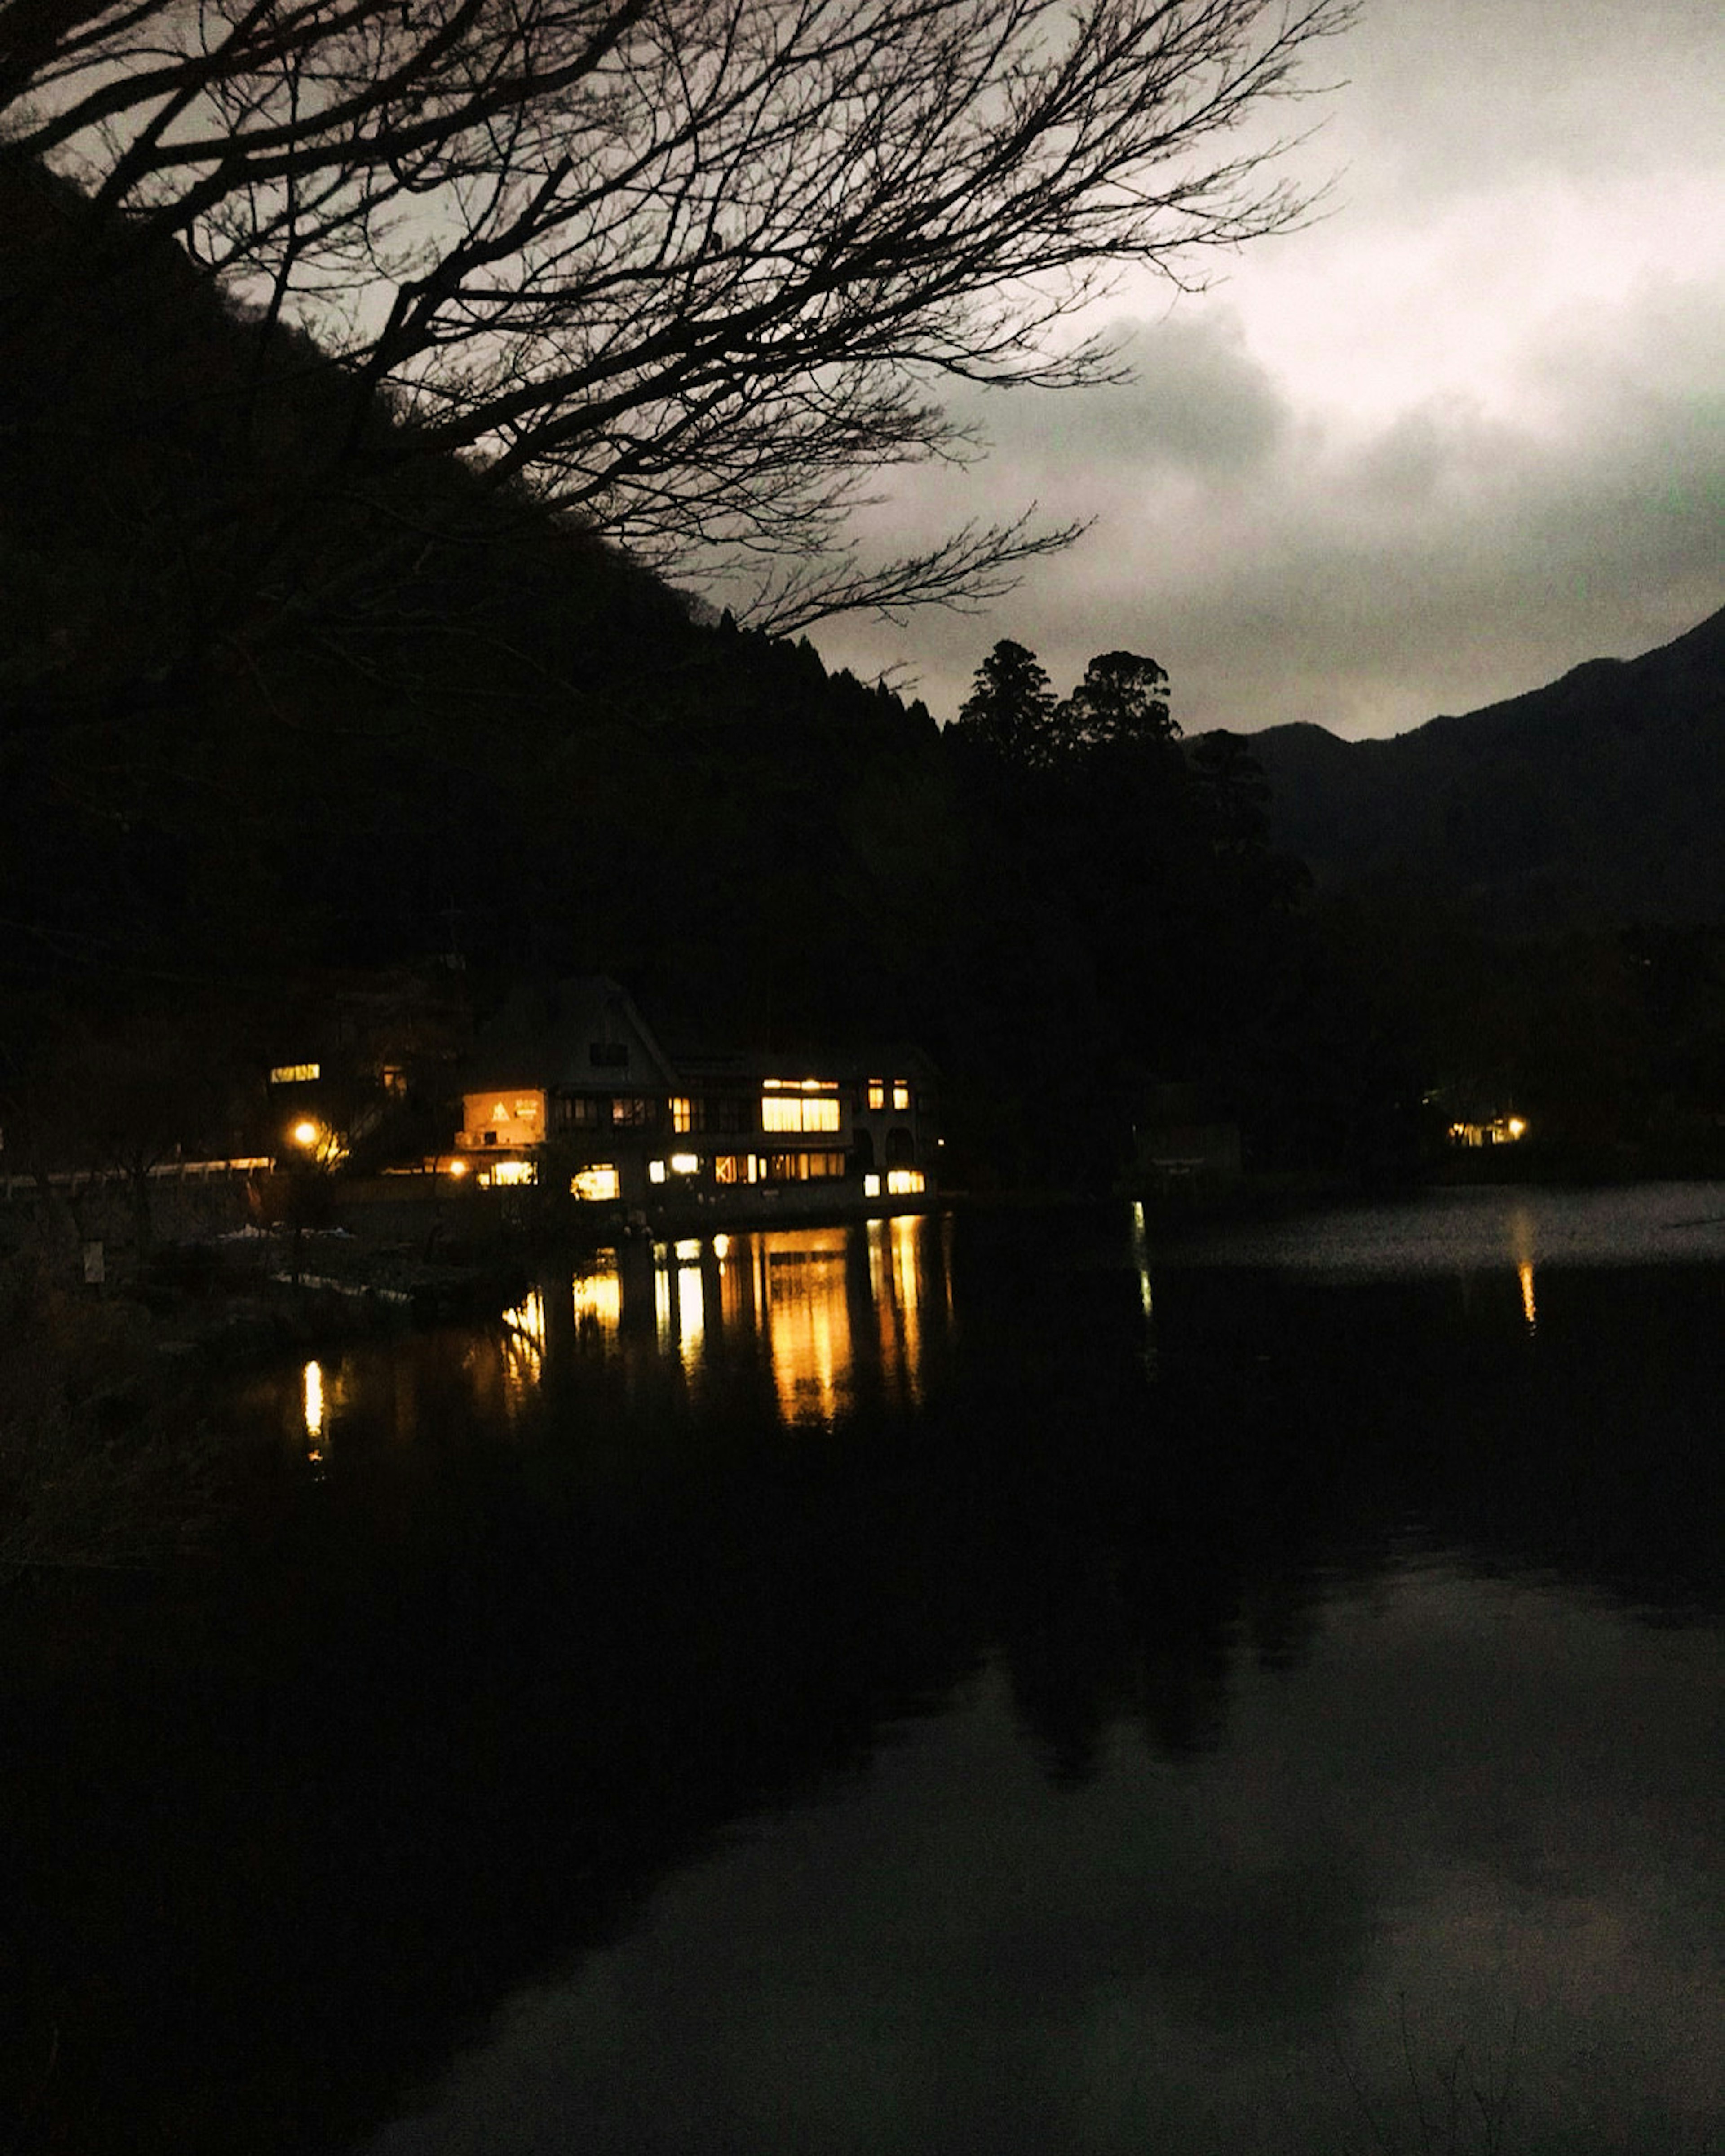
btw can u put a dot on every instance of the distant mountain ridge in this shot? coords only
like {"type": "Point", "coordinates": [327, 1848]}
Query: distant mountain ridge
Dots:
{"type": "Point", "coordinates": [1599, 798]}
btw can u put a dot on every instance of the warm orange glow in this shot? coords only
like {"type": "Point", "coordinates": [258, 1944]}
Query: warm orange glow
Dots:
{"type": "Point", "coordinates": [514, 1173]}
{"type": "Point", "coordinates": [595, 1183]}
{"type": "Point", "coordinates": [458, 1167]}
{"type": "Point", "coordinates": [871, 1186]}
{"type": "Point", "coordinates": [523, 1348]}
{"type": "Point", "coordinates": [597, 1299]}
{"type": "Point", "coordinates": [294, 1074]}
{"type": "Point", "coordinates": [1518, 1128]}
{"type": "Point", "coordinates": [684, 1163]}
{"type": "Point", "coordinates": [905, 1182]}
{"type": "Point", "coordinates": [901, 1095]}
{"type": "Point", "coordinates": [801, 1295]}
{"type": "Point", "coordinates": [682, 1112]}
{"type": "Point", "coordinates": [498, 1119]}
{"type": "Point", "coordinates": [877, 1093]}
{"type": "Point", "coordinates": [305, 1134]}
{"type": "Point", "coordinates": [1524, 1273]}
{"type": "Point", "coordinates": [895, 1278]}
{"type": "Point", "coordinates": [799, 1112]}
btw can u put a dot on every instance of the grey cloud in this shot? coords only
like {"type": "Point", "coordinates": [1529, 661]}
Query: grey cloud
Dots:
{"type": "Point", "coordinates": [1196, 400]}
{"type": "Point", "coordinates": [1454, 556]}
{"type": "Point", "coordinates": [1462, 98]}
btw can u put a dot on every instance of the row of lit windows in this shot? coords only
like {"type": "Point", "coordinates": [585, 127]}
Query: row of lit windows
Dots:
{"type": "Point", "coordinates": [799, 1112]}
{"type": "Point", "coordinates": [811, 1104]}
{"type": "Point", "coordinates": [602, 1182]}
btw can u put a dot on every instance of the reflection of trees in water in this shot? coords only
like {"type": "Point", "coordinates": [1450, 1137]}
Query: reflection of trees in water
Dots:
{"type": "Point", "coordinates": [446, 1717]}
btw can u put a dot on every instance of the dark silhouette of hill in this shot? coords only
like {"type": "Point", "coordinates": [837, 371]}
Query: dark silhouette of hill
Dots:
{"type": "Point", "coordinates": [1596, 800]}
{"type": "Point", "coordinates": [284, 692]}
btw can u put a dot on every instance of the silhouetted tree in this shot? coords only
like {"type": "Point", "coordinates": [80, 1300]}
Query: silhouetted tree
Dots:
{"type": "Point", "coordinates": [687, 270]}
{"type": "Point", "coordinates": [1122, 700]}
{"type": "Point", "coordinates": [1010, 709]}
{"type": "Point", "coordinates": [1234, 791]}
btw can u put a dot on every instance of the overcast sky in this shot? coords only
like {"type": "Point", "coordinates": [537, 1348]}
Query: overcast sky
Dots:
{"type": "Point", "coordinates": [1463, 434]}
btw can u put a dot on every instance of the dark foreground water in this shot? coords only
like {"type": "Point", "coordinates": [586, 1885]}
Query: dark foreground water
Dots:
{"type": "Point", "coordinates": [999, 1684]}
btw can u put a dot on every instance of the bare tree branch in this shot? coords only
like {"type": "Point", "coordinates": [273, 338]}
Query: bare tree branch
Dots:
{"type": "Point", "coordinates": [683, 268]}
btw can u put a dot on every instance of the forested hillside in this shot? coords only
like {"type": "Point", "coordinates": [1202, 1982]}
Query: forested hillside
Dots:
{"type": "Point", "coordinates": [272, 707]}
{"type": "Point", "coordinates": [1597, 800]}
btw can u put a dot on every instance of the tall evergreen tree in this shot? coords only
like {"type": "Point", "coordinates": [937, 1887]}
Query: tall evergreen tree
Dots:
{"type": "Point", "coordinates": [1010, 709]}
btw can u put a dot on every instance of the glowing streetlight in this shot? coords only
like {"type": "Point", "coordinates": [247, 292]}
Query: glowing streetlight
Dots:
{"type": "Point", "coordinates": [304, 1134]}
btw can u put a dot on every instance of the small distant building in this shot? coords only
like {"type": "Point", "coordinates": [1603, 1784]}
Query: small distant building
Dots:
{"type": "Point", "coordinates": [1490, 1130]}
{"type": "Point", "coordinates": [578, 1097]}
{"type": "Point", "coordinates": [359, 1062]}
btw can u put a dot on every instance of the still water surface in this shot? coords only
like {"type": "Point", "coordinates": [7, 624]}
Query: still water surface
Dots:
{"type": "Point", "coordinates": [1009, 1682]}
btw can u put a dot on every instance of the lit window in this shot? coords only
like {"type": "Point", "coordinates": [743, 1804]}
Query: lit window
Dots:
{"type": "Point", "coordinates": [799, 1112]}
{"type": "Point", "coordinates": [294, 1074]}
{"type": "Point", "coordinates": [871, 1186]}
{"type": "Point", "coordinates": [595, 1183]}
{"type": "Point", "coordinates": [655, 1171]}
{"type": "Point", "coordinates": [684, 1163]}
{"type": "Point", "coordinates": [877, 1093]}
{"type": "Point", "coordinates": [803, 1167]}
{"type": "Point", "coordinates": [682, 1113]}
{"type": "Point", "coordinates": [514, 1173]}
{"type": "Point", "coordinates": [631, 1112]}
{"type": "Point", "coordinates": [734, 1168]}
{"type": "Point", "coordinates": [904, 1182]}
{"type": "Point", "coordinates": [901, 1094]}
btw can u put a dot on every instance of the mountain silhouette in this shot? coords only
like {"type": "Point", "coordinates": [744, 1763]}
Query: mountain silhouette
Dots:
{"type": "Point", "coordinates": [1598, 799]}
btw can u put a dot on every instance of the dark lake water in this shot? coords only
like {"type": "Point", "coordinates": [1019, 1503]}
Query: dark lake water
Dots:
{"type": "Point", "coordinates": [1021, 1681]}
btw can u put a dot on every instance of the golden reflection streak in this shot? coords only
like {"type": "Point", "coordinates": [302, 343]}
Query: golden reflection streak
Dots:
{"type": "Point", "coordinates": [316, 1414]}
{"type": "Point", "coordinates": [523, 1347]}
{"type": "Point", "coordinates": [895, 1283]}
{"type": "Point", "coordinates": [596, 1298]}
{"type": "Point", "coordinates": [691, 1305]}
{"type": "Point", "coordinates": [1141, 1256]}
{"type": "Point", "coordinates": [807, 1320]}
{"type": "Point", "coordinates": [1521, 1229]}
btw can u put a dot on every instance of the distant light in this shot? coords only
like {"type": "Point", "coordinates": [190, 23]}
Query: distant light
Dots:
{"type": "Point", "coordinates": [684, 1163]}
{"type": "Point", "coordinates": [655, 1171]}
{"type": "Point", "coordinates": [305, 1134]}
{"type": "Point", "coordinates": [458, 1167]}
{"type": "Point", "coordinates": [1518, 1128]}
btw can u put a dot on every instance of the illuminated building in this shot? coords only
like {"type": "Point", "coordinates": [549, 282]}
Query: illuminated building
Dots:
{"type": "Point", "coordinates": [576, 1096]}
